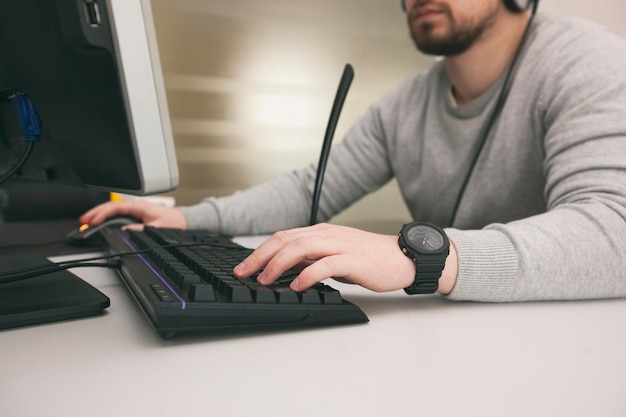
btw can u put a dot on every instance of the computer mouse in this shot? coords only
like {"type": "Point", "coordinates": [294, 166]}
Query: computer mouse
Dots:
{"type": "Point", "coordinates": [88, 235]}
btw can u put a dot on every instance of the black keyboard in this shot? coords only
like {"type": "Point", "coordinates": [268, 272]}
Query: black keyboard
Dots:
{"type": "Point", "coordinates": [183, 281]}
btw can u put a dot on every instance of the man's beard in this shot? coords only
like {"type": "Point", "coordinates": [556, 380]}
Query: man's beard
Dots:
{"type": "Point", "coordinates": [459, 38]}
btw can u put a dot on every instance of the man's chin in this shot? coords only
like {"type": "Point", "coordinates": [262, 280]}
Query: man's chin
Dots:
{"type": "Point", "coordinates": [441, 47]}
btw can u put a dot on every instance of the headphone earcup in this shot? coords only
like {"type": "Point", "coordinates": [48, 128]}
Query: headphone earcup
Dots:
{"type": "Point", "coordinates": [517, 6]}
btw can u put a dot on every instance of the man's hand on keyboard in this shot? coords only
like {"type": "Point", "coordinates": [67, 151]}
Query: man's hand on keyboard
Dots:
{"type": "Point", "coordinates": [145, 212]}
{"type": "Point", "coordinates": [349, 255]}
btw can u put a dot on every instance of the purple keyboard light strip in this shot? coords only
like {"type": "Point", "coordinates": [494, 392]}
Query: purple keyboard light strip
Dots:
{"type": "Point", "coordinates": [163, 280]}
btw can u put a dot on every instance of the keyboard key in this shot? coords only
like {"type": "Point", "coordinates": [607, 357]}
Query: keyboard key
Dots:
{"type": "Point", "coordinates": [263, 294]}
{"type": "Point", "coordinates": [330, 295]}
{"type": "Point", "coordinates": [310, 296]}
{"type": "Point", "coordinates": [286, 296]}
{"type": "Point", "coordinates": [189, 278]}
{"type": "Point", "coordinates": [238, 293]}
{"type": "Point", "coordinates": [202, 293]}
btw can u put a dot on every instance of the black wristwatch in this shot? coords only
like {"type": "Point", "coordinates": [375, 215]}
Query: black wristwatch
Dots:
{"type": "Point", "coordinates": [428, 246]}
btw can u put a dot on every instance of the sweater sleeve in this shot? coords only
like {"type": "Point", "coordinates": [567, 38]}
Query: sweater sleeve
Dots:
{"type": "Point", "coordinates": [576, 249]}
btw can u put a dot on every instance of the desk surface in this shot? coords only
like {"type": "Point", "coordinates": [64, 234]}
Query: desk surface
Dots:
{"type": "Point", "coordinates": [417, 356]}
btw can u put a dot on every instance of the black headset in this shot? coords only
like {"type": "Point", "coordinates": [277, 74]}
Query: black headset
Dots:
{"type": "Point", "coordinates": [516, 6]}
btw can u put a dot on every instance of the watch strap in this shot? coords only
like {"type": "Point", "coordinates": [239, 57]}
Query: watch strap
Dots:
{"type": "Point", "coordinates": [427, 274]}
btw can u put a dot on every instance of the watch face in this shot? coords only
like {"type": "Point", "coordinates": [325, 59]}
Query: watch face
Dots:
{"type": "Point", "coordinates": [425, 238]}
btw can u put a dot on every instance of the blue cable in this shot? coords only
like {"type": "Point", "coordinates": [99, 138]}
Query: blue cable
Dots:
{"type": "Point", "coordinates": [28, 118]}
{"type": "Point", "coordinates": [31, 126]}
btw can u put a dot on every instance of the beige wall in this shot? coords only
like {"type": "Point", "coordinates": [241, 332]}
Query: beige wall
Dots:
{"type": "Point", "coordinates": [250, 84]}
{"type": "Point", "coordinates": [611, 13]}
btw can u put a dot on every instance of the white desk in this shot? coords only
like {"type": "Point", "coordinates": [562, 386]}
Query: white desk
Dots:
{"type": "Point", "coordinates": [418, 356]}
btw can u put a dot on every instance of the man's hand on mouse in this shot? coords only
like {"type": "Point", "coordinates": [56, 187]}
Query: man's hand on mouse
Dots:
{"type": "Point", "coordinates": [145, 212]}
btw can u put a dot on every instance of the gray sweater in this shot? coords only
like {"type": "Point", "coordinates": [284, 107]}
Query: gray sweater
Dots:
{"type": "Point", "coordinates": [543, 216]}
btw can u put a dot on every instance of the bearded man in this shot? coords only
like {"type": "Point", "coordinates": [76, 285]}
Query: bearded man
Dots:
{"type": "Point", "coordinates": [510, 154]}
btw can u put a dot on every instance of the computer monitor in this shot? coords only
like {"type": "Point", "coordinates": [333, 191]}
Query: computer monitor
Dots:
{"type": "Point", "coordinates": [92, 71]}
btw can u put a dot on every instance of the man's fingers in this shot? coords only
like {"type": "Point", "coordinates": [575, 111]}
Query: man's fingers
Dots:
{"type": "Point", "coordinates": [257, 259]}
{"type": "Point", "coordinates": [265, 251]}
{"type": "Point", "coordinates": [327, 267]}
{"type": "Point", "coordinates": [300, 250]}
{"type": "Point", "coordinates": [136, 227]}
{"type": "Point", "coordinates": [102, 212]}
{"type": "Point", "coordinates": [282, 251]}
